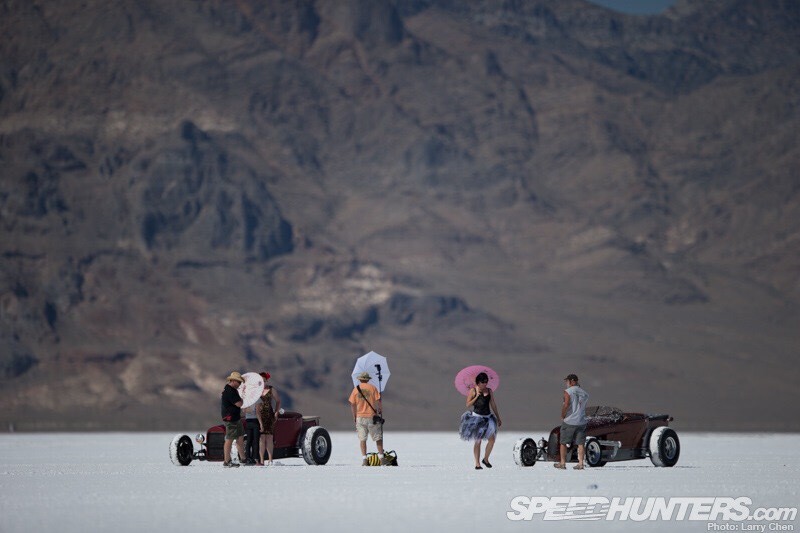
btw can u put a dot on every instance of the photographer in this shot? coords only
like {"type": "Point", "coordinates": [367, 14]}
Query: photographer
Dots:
{"type": "Point", "coordinates": [232, 418]}
{"type": "Point", "coordinates": [365, 403]}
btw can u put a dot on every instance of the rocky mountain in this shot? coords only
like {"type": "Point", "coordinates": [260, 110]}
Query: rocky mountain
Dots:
{"type": "Point", "coordinates": [545, 187]}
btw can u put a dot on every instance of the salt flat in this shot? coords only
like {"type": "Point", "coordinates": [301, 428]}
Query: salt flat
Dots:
{"type": "Point", "coordinates": [125, 482]}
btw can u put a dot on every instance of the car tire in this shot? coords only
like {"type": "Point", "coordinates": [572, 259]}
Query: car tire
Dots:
{"type": "Point", "coordinates": [317, 446]}
{"type": "Point", "coordinates": [665, 447]}
{"type": "Point", "coordinates": [181, 450]}
{"type": "Point", "coordinates": [593, 453]}
{"type": "Point", "coordinates": [525, 452]}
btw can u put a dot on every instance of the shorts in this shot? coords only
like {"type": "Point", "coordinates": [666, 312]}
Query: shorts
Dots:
{"type": "Point", "coordinates": [233, 430]}
{"type": "Point", "coordinates": [365, 426]}
{"type": "Point", "coordinates": [570, 434]}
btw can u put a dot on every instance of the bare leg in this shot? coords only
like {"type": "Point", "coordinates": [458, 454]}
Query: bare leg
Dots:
{"type": "Point", "coordinates": [476, 451]}
{"type": "Point", "coordinates": [581, 453]}
{"type": "Point", "coordinates": [270, 446]}
{"type": "Point", "coordinates": [380, 445]}
{"type": "Point", "coordinates": [489, 446]}
{"type": "Point", "coordinates": [563, 454]}
{"type": "Point", "coordinates": [363, 445]}
{"type": "Point", "coordinates": [262, 448]}
{"type": "Point", "coordinates": [226, 450]}
{"type": "Point", "coordinates": [240, 448]}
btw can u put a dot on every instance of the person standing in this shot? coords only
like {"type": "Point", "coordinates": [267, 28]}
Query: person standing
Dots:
{"type": "Point", "coordinates": [365, 404]}
{"type": "Point", "coordinates": [573, 415]}
{"type": "Point", "coordinates": [267, 417]}
{"type": "Point", "coordinates": [232, 418]}
{"type": "Point", "coordinates": [482, 422]}
{"type": "Point", "coordinates": [251, 428]}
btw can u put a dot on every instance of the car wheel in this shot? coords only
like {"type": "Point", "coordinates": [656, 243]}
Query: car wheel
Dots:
{"type": "Point", "coordinates": [317, 446]}
{"type": "Point", "coordinates": [594, 453]}
{"type": "Point", "coordinates": [181, 450]}
{"type": "Point", "coordinates": [665, 448]}
{"type": "Point", "coordinates": [525, 452]}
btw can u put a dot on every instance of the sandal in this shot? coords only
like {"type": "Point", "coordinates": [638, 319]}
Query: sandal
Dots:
{"type": "Point", "coordinates": [577, 467]}
{"type": "Point", "coordinates": [559, 466]}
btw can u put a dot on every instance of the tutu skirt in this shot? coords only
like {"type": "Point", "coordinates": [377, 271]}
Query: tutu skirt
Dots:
{"type": "Point", "coordinates": [477, 427]}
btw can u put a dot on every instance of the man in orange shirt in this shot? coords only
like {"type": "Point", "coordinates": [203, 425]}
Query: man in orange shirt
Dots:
{"type": "Point", "coordinates": [365, 404]}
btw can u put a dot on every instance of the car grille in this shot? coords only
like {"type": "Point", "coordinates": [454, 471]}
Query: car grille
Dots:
{"type": "Point", "coordinates": [215, 446]}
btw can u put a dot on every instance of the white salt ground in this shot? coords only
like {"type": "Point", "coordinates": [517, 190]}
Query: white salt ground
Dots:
{"type": "Point", "coordinates": [125, 482]}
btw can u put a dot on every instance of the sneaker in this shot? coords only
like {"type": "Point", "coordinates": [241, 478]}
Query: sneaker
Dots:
{"type": "Point", "coordinates": [559, 466]}
{"type": "Point", "coordinates": [364, 463]}
{"type": "Point", "coordinates": [230, 465]}
{"type": "Point", "coordinates": [386, 461]}
{"type": "Point", "coordinates": [486, 463]}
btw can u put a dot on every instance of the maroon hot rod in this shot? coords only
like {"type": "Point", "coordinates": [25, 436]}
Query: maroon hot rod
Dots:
{"type": "Point", "coordinates": [611, 435]}
{"type": "Point", "coordinates": [295, 436]}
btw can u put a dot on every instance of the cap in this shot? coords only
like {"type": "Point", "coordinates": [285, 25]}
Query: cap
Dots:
{"type": "Point", "coordinates": [571, 377]}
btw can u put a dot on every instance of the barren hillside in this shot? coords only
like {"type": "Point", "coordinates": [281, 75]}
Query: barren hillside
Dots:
{"type": "Point", "coordinates": [192, 187]}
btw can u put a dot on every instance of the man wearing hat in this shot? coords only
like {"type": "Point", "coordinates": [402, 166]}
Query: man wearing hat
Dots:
{"type": "Point", "coordinates": [573, 414]}
{"type": "Point", "coordinates": [232, 417]}
{"type": "Point", "coordinates": [365, 402]}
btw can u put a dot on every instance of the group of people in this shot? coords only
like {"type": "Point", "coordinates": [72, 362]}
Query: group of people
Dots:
{"type": "Point", "coordinates": [259, 422]}
{"type": "Point", "coordinates": [482, 422]}
{"type": "Point", "coordinates": [477, 425]}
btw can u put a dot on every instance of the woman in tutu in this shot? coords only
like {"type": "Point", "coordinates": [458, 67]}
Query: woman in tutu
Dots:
{"type": "Point", "coordinates": [482, 422]}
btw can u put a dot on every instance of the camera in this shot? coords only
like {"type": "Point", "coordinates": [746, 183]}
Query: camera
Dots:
{"type": "Point", "coordinates": [378, 419]}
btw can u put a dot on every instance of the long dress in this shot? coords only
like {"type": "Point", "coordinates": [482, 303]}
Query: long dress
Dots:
{"type": "Point", "coordinates": [480, 423]}
{"type": "Point", "coordinates": [267, 413]}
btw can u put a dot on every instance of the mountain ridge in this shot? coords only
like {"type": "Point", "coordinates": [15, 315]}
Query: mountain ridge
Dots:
{"type": "Point", "coordinates": [546, 187]}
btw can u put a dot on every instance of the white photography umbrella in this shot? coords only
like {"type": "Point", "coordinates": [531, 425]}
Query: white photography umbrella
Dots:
{"type": "Point", "coordinates": [378, 369]}
{"type": "Point", "coordinates": [250, 390]}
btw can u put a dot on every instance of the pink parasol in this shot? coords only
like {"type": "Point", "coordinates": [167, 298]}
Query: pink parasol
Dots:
{"type": "Point", "coordinates": [465, 379]}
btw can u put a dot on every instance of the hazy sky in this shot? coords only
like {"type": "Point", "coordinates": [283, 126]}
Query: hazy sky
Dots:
{"type": "Point", "coordinates": [639, 7]}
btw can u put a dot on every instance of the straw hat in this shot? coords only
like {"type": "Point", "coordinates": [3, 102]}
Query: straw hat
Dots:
{"type": "Point", "coordinates": [364, 376]}
{"type": "Point", "coordinates": [235, 376]}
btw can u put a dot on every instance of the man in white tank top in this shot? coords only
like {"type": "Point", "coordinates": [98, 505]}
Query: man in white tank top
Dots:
{"type": "Point", "coordinates": [573, 414]}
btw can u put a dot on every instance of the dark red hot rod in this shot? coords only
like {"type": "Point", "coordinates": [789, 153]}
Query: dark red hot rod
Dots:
{"type": "Point", "coordinates": [611, 435]}
{"type": "Point", "coordinates": [295, 436]}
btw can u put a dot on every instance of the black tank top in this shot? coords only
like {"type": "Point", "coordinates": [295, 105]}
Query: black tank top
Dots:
{"type": "Point", "coordinates": [481, 405]}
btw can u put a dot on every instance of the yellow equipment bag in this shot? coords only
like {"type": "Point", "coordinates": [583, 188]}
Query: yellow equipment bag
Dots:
{"type": "Point", "coordinates": [374, 460]}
